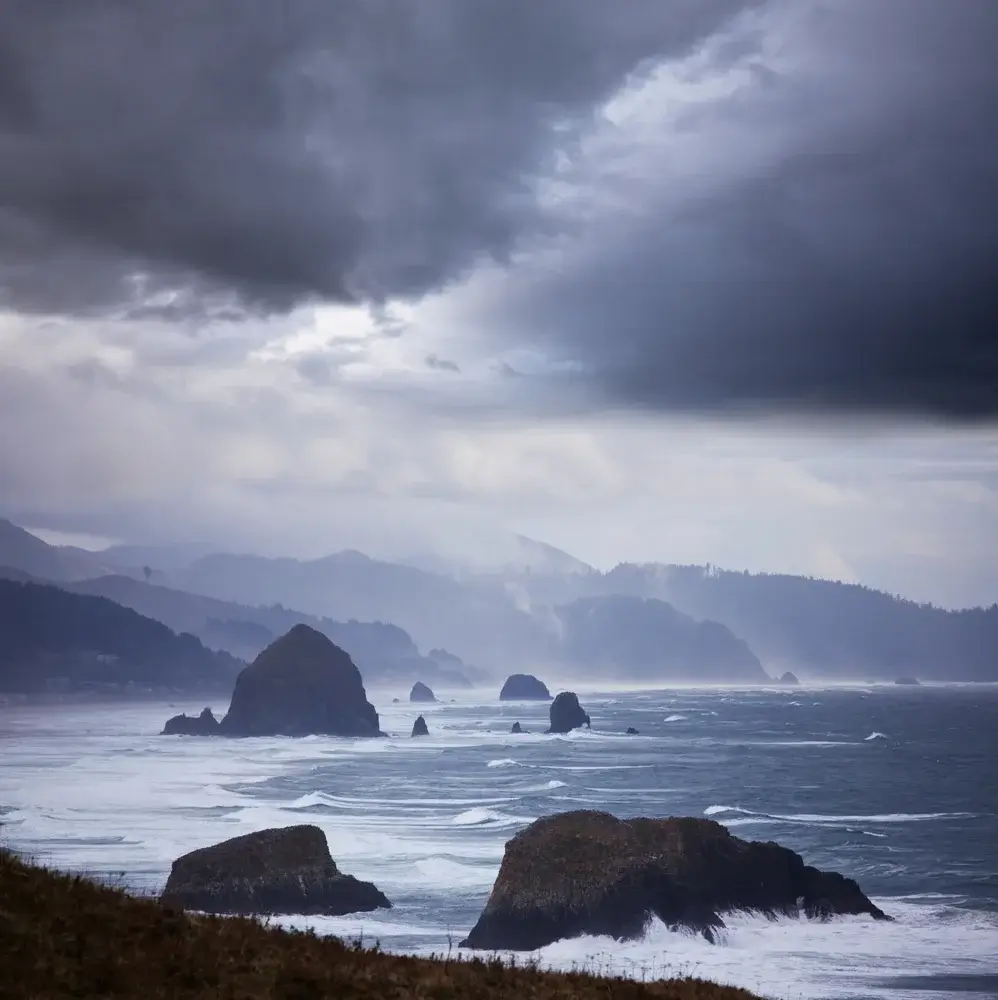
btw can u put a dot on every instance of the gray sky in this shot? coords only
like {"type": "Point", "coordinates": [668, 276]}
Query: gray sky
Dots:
{"type": "Point", "coordinates": [711, 280]}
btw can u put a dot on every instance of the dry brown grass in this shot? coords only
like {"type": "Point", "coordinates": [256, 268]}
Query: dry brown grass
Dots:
{"type": "Point", "coordinates": [67, 936]}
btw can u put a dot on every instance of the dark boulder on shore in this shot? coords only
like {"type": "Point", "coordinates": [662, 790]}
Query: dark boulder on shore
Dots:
{"type": "Point", "coordinates": [524, 687]}
{"type": "Point", "coordinates": [589, 873]}
{"type": "Point", "coordinates": [419, 727]}
{"type": "Point", "coordinates": [302, 684]}
{"type": "Point", "coordinates": [204, 724]}
{"type": "Point", "coordinates": [567, 714]}
{"type": "Point", "coordinates": [420, 692]}
{"type": "Point", "coordinates": [517, 728]}
{"type": "Point", "coordinates": [287, 870]}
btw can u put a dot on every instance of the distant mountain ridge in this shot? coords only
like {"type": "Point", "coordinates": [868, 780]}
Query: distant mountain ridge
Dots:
{"type": "Point", "coordinates": [513, 620]}
{"type": "Point", "coordinates": [52, 639]}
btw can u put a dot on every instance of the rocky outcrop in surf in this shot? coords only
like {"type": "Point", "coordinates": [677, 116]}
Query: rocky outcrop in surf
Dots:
{"type": "Point", "coordinates": [908, 681]}
{"type": "Point", "coordinates": [517, 728]}
{"type": "Point", "coordinates": [788, 678]}
{"type": "Point", "coordinates": [567, 714]}
{"type": "Point", "coordinates": [419, 727]}
{"type": "Point", "coordinates": [420, 692]}
{"type": "Point", "coordinates": [286, 870]}
{"type": "Point", "coordinates": [631, 731]}
{"type": "Point", "coordinates": [204, 724]}
{"type": "Point", "coordinates": [302, 684]}
{"type": "Point", "coordinates": [524, 687]}
{"type": "Point", "coordinates": [589, 873]}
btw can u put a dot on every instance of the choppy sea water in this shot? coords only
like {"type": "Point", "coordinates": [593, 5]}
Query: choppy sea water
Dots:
{"type": "Point", "coordinates": [897, 788]}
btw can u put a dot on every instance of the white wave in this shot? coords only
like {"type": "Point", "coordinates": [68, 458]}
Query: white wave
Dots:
{"type": "Point", "coordinates": [477, 817]}
{"type": "Point", "coordinates": [845, 958]}
{"type": "Point", "coordinates": [875, 736]}
{"type": "Point", "coordinates": [823, 818]}
{"type": "Point", "coordinates": [675, 718]}
{"type": "Point", "coordinates": [503, 762]}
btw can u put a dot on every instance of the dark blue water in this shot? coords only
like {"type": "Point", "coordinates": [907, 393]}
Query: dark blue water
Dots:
{"type": "Point", "coordinates": [912, 814]}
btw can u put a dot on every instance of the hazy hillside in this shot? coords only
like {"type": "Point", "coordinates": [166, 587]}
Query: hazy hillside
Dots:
{"type": "Point", "coordinates": [649, 640]}
{"type": "Point", "coordinates": [480, 622]}
{"type": "Point", "coordinates": [825, 629]}
{"type": "Point", "coordinates": [20, 550]}
{"type": "Point", "coordinates": [51, 639]}
{"type": "Point", "coordinates": [383, 652]}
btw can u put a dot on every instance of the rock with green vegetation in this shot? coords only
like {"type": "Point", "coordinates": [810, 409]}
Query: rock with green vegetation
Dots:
{"type": "Point", "coordinates": [524, 687]}
{"type": "Point", "coordinates": [287, 870]}
{"type": "Point", "coordinates": [589, 873]}
{"type": "Point", "coordinates": [419, 727]}
{"type": "Point", "coordinates": [302, 684]}
{"type": "Point", "coordinates": [420, 692]}
{"type": "Point", "coordinates": [204, 724]}
{"type": "Point", "coordinates": [567, 714]}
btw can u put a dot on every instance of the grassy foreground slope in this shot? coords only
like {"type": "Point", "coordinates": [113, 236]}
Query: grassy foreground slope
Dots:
{"type": "Point", "coordinates": [66, 936]}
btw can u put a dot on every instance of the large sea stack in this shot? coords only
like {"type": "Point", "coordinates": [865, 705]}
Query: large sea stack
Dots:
{"type": "Point", "coordinates": [300, 685]}
{"type": "Point", "coordinates": [524, 687]}
{"type": "Point", "coordinates": [287, 870]}
{"type": "Point", "coordinates": [567, 714]}
{"type": "Point", "coordinates": [586, 872]}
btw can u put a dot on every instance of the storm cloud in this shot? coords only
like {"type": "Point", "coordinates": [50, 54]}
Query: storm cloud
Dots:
{"type": "Point", "coordinates": [165, 152]}
{"type": "Point", "coordinates": [703, 205]}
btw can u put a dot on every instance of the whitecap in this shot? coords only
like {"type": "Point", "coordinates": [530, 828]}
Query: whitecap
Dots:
{"type": "Point", "coordinates": [875, 736]}
{"type": "Point", "coordinates": [477, 817]}
{"type": "Point", "coordinates": [750, 816]}
{"type": "Point", "coordinates": [676, 718]}
{"type": "Point", "coordinates": [503, 762]}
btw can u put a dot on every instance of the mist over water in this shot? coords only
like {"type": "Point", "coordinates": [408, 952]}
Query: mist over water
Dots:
{"type": "Point", "coordinates": [893, 787]}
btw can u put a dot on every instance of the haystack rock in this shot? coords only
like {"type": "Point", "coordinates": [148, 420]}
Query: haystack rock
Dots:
{"type": "Point", "coordinates": [524, 687]}
{"type": "Point", "coordinates": [287, 870]}
{"type": "Point", "coordinates": [567, 714]}
{"type": "Point", "coordinates": [204, 724]}
{"type": "Point", "coordinates": [300, 685]}
{"type": "Point", "coordinates": [588, 873]}
{"type": "Point", "coordinates": [419, 727]}
{"type": "Point", "coordinates": [420, 692]}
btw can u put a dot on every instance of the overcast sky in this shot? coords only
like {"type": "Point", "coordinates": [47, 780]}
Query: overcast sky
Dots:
{"type": "Point", "coordinates": [705, 280]}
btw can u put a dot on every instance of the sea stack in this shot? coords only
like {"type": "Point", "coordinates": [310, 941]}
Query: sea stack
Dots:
{"type": "Point", "coordinates": [419, 727]}
{"type": "Point", "coordinates": [567, 714]}
{"type": "Point", "coordinates": [285, 870]}
{"type": "Point", "coordinates": [204, 724]}
{"type": "Point", "coordinates": [300, 685]}
{"type": "Point", "coordinates": [524, 687]}
{"type": "Point", "coordinates": [589, 873]}
{"type": "Point", "coordinates": [420, 692]}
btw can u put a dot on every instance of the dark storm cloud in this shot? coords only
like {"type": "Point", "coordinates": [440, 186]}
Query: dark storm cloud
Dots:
{"type": "Point", "coordinates": [855, 269]}
{"type": "Point", "coordinates": [279, 152]}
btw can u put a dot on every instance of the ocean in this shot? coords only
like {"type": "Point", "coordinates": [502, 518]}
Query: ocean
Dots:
{"type": "Point", "coordinates": [895, 787]}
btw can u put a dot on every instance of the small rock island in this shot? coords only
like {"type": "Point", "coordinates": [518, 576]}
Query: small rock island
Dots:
{"type": "Point", "coordinates": [524, 687]}
{"type": "Point", "coordinates": [567, 714]}
{"type": "Point", "coordinates": [587, 872]}
{"type": "Point", "coordinates": [284, 870]}
{"type": "Point", "coordinates": [421, 692]}
{"type": "Point", "coordinates": [302, 684]}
